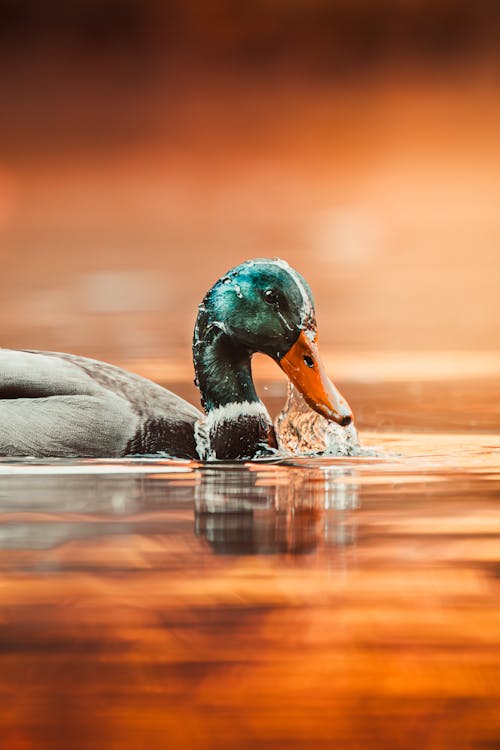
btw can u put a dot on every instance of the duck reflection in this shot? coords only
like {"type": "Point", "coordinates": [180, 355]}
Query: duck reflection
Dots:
{"type": "Point", "coordinates": [274, 510]}
{"type": "Point", "coordinates": [238, 508]}
{"type": "Point", "coordinates": [45, 511]}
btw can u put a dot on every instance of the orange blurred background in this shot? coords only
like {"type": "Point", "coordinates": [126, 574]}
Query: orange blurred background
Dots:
{"type": "Point", "coordinates": [147, 147]}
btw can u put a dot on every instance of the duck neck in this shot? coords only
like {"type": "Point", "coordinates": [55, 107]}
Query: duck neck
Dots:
{"type": "Point", "coordinates": [238, 423]}
{"type": "Point", "coordinates": [223, 373]}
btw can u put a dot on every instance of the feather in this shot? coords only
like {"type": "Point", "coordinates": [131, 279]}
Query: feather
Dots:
{"type": "Point", "coordinates": [54, 404]}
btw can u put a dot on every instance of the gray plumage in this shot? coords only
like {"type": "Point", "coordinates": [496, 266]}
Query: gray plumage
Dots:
{"type": "Point", "coordinates": [54, 404]}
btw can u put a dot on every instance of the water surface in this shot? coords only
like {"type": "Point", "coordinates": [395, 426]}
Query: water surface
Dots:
{"type": "Point", "coordinates": [307, 603]}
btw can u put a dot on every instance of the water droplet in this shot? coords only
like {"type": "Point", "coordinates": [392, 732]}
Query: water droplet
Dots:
{"type": "Point", "coordinates": [299, 429]}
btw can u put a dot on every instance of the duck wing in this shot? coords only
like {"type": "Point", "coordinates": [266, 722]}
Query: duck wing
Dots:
{"type": "Point", "coordinates": [55, 404]}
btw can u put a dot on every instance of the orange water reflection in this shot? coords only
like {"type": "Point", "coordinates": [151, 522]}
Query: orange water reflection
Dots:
{"type": "Point", "coordinates": [311, 604]}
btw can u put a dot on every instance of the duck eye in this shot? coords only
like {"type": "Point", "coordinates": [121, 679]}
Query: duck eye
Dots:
{"type": "Point", "coordinates": [271, 297]}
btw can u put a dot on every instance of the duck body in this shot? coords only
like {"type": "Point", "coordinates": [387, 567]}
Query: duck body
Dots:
{"type": "Point", "coordinates": [62, 405]}
{"type": "Point", "coordinates": [54, 404]}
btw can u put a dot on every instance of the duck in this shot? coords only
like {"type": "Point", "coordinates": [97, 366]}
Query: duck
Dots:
{"type": "Point", "coordinates": [54, 404]}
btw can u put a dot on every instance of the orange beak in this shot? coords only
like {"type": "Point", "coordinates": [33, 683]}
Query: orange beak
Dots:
{"type": "Point", "coordinates": [304, 368]}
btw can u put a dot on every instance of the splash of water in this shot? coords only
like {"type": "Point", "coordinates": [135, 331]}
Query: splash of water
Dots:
{"type": "Point", "coordinates": [300, 430]}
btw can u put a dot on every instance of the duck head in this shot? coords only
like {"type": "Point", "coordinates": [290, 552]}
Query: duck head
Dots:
{"type": "Point", "coordinates": [265, 306]}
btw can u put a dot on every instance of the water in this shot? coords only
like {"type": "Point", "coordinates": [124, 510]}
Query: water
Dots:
{"type": "Point", "coordinates": [300, 430]}
{"type": "Point", "coordinates": [312, 602]}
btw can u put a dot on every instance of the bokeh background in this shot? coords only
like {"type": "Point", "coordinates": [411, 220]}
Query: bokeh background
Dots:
{"type": "Point", "coordinates": [148, 146]}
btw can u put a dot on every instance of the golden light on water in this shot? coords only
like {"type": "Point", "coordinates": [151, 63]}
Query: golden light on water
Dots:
{"type": "Point", "coordinates": [340, 606]}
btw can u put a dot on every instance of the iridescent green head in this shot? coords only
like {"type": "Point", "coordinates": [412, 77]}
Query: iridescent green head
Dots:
{"type": "Point", "coordinates": [262, 305]}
